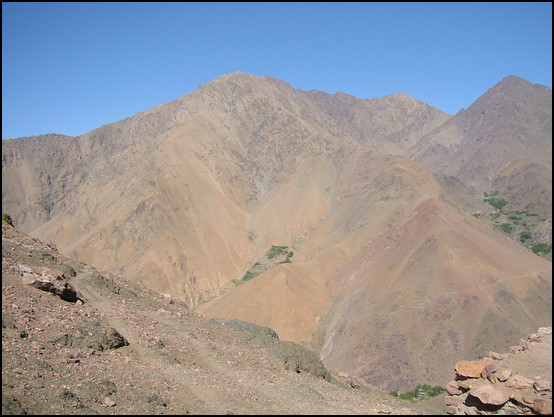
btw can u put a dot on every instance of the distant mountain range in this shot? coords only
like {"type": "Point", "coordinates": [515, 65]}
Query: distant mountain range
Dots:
{"type": "Point", "coordinates": [383, 234]}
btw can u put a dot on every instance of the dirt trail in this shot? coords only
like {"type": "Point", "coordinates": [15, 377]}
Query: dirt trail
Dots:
{"type": "Point", "coordinates": [177, 362]}
{"type": "Point", "coordinates": [217, 369]}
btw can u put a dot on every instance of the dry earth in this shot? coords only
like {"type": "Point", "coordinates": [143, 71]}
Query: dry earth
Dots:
{"type": "Point", "coordinates": [184, 197]}
{"type": "Point", "coordinates": [57, 357]}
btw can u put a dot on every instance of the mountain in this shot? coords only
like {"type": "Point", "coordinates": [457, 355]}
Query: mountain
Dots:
{"type": "Point", "coordinates": [502, 142]}
{"type": "Point", "coordinates": [118, 348]}
{"type": "Point", "coordinates": [382, 239]}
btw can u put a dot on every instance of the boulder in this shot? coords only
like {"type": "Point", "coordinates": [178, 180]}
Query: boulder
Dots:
{"type": "Point", "coordinates": [29, 278]}
{"type": "Point", "coordinates": [489, 394]}
{"type": "Point", "coordinates": [519, 381]}
{"type": "Point", "coordinates": [543, 406]}
{"type": "Point", "coordinates": [50, 282]}
{"type": "Point", "coordinates": [515, 349]}
{"type": "Point", "coordinates": [351, 381]}
{"type": "Point", "coordinates": [497, 356]}
{"type": "Point", "coordinates": [488, 371]}
{"type": "Point", "coordinates": [525, 344]}
{"type": "Point", "coordinates": [503, 374]}
{"type": "Point", "coordinates": [112, 339]}
{"type": "Point", "coordinates": [545, 330]}
{"type": "Point", "coordinates": [23, 269]}
{"type": "Point", "coordinates": [453, 389]}
{"type": "Point", "coordinates": [543, 385]}
{"type": "Point", "coordinates": [464, 385]}
{"type": "Point", "coordinates": [472, 369]}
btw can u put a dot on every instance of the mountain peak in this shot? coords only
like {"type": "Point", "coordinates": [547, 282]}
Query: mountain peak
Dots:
{"type": "Point", "coordinates": [515, 83]}
{"type": "Point", "coordinates": [188, 198]}
{"type": "Point", "coordinates": [515, 92]}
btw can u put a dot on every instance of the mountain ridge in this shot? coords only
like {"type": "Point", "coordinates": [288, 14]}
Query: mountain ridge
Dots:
{"type": "Point", "coordinates": [183, 198]}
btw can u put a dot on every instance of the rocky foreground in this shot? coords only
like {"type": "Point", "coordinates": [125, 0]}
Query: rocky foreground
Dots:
{"type": "Point", "coordinates": [516, 382]}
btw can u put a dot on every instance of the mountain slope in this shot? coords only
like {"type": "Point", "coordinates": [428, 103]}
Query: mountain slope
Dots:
{"type": "Point", "coordinates": [186, 197]}
{"type": "Point", "coordinates": [436, 285]}
{"type": "Point", "coordinates": [57, 357]}
{"type": "Point", "coordinates": [511, 121]}
{"type": "Point", "coordinates": [240, 137]}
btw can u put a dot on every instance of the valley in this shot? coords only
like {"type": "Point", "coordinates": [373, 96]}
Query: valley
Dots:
{"type": "Point", "coordinates": [390, 264]}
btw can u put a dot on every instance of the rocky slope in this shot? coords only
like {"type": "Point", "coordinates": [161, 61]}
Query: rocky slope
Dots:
{"type": "Point", "coordinates": [502, 137]}
{"type": "Point", "coordinates": [515, 382]}
{"type": "Point", "coordinates": [185, 198]}
{"type": "Point", "coordinates": [112, 347]}
{"type": "Point", "coordinates": [118, 348]}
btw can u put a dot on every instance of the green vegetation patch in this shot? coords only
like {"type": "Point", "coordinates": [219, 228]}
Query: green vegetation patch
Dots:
{"type": "Point", "coordinates": [6, 217]}
{"type": "Point", "coordinates": [421, 392]}
{"type": "Point", "coordinates": [507, 227]}
{"type": "Point", "coordinates": [519, 223]}
{"type": "Point", "coordinates": [497, 203]}
{"type": "Point", "coordinates": [541, 248]}
{"type": "Point", "coordinates": [525, 236]}
{"type": "Point", "coordinates": [276, 251]}
{"type": "Point", "coordinates": [254, 271]}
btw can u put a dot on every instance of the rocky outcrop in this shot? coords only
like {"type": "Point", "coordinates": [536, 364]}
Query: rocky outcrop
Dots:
{"type": "Point", "coordinates": [92, 337]}
{"type": "Point", "coordinates": [517, 382]}
{"type": "Point", "coordinates": [293, 356]}
{"type": "Point", "coordinates": [50, 280]}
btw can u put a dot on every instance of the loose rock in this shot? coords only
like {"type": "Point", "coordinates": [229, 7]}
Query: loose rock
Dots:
{"type": "Point", "coordinates": [489, 394]}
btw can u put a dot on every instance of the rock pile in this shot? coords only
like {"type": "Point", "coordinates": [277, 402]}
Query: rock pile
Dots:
{"type": "Point", "coordinates": [518, 382]}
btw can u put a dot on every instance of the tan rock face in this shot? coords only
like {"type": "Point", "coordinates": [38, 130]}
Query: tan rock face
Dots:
{"type": "Point", "coordinates": [489, 394]}
{"type": "Point", "coordinates": [519, 381]}
{"type": "Point", "coordinates": [453, 389]}
{"type": "Point", "coordinates": [503, 374]}
{"type": "Point", "coordinates": [185, 197]}
{"type": "Point", "coordinates": [57, 356]}
{"type": "Point", "coordinates": [472, 369]}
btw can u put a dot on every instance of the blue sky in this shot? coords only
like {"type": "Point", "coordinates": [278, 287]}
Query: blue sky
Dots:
{"type": "Point", "coordinates": [72, 67]}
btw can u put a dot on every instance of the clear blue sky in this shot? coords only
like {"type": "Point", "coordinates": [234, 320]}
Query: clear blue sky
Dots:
{"type": "Point", "coordinates": [72, 67]}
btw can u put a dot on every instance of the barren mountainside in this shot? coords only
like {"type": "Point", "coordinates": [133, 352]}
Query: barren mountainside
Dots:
{"type": "Point", "coordinates": [506, 132]}
{"type": "Point", "coordinates": [115, 347]}
{"type": "Point", "coordinates": [377, 203]}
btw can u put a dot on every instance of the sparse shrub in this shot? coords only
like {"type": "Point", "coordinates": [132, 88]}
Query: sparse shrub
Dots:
{"type": "Point", "coordinates": [525, 236]}
{"type": "Point", "coordinates": [420, 392]}
{"type": "Point", "coordinates": [436, 390]}
{"type": "Point", "coordinates": [408, 396]}
{"type": "Point", "coordinates": [6, 217]}
{"type": "Point", "coordinates": [507, 227]}
{"type": "Point", "coordinates": [276, 251]}
{"type": "Point", "coordinates": [497, 203]}
{"type": "Point", "coordinates": [258, 267]}
{"type": "Point", "coordinates": [254, 271]}
{"type": "Point", "coordinates": [541, 248]}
